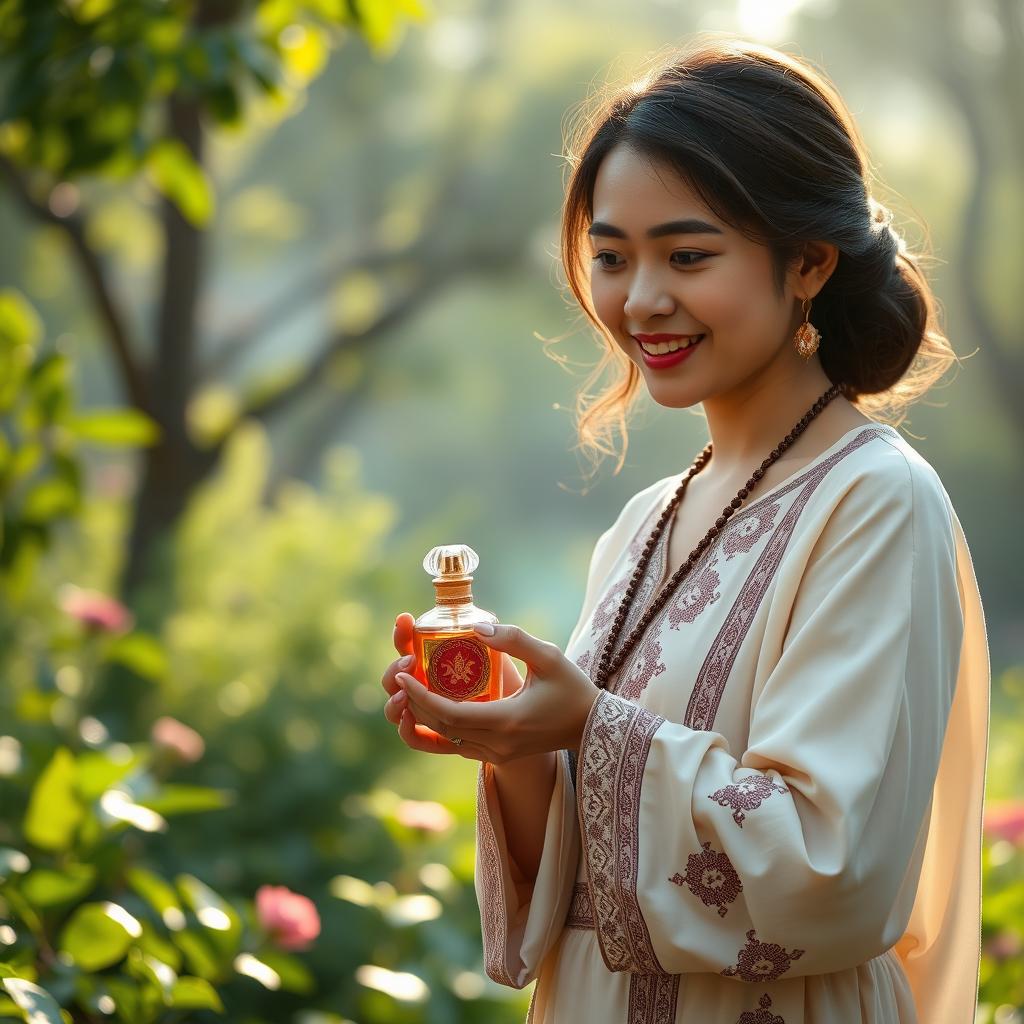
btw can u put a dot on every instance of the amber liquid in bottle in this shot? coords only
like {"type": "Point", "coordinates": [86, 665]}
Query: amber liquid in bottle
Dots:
{"type": "Point", "coordinates": [450, 658]}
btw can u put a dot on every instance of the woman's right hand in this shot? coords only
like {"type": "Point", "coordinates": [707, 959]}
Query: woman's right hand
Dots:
{"type": "Point", "coordinates": [396, 710]}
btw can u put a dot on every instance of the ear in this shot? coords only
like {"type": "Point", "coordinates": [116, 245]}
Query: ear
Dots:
{"type": "Point", "coordinates": [813, 268]}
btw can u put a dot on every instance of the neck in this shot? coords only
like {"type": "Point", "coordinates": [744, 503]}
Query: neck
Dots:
{"type": "Point", "coordinates": [746, 423]}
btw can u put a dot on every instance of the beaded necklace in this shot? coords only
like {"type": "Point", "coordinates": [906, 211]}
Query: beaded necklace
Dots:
{"type": "Point", "coordinates": [607, 665]}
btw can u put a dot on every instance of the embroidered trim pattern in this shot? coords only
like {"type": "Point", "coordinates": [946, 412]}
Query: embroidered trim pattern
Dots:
{"type": "Point", "coordinates": [711, 877]}
{"type": "Point", "coordinates": [746, 795]}
{"type": "Point", "coordinates": [581, 912]}
{"type": "Point", "coordinates": [710, 685]}
{"type": "Point", "coordinates": [492, 905]}
{"type": "Point", "coordinates": [761, 961]}
{"type": "Point", "coordinates": [612, 755]}
{"type": "Point", "coordinates": [762, 1016]}
{"type": "Point", "coordinates": [653, 998]}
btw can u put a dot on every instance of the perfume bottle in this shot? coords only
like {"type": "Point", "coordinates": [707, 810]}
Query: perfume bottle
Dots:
{"type": "Point", "coordinates": [450, 659]}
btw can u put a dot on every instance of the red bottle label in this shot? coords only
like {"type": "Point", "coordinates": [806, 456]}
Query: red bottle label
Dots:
{"type": "Point", "coordinates": [458, 668]}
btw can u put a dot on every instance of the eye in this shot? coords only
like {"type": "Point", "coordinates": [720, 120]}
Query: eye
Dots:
{"type": "Point", "coordinates": [689, 259]}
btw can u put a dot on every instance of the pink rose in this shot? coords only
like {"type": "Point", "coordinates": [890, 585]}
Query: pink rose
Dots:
{"type": "Point", "coordinates": [426, 815]}
{"type": "Point", "coordinates": [290, 919]}
{"type": "Point", "coordinates": [1005, 821]}
{"type": "Point", "coordinates": [95, 610]}
{"type": "Point", "coordinates": [177, 737]}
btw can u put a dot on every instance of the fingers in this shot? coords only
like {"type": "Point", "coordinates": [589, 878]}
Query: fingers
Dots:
{"type": "Point", "coordinates": [395, 706]}
{"type": "Point", "coordinates": [419, 737]}
{"type": "Point", "coordinates": [449, 717]}
{"type": "Point", "coordinates": [390, 684]}
{"type": "Point", "coordinates": [402, 634]}
{"type": "Point", "coordinates": [538, 654]}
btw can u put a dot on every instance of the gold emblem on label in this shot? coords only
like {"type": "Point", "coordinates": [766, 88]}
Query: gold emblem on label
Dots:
{"type": "Point", "coordinates": [457, 668]}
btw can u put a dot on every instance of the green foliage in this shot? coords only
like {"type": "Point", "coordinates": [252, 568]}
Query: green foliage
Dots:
{"type": "Point", "coordinates": [82, 82]}
{"type": "Point", "coordinates": [127, 870]}
{"type": "Point", "coordinates": [40, 433]}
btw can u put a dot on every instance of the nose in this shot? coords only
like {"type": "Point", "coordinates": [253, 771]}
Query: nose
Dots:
{"type": "Point", "coordinates": [646, 299]}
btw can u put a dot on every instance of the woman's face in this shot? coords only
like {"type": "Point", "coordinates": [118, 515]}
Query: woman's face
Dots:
{"type": "Point", "coordinates": [702, 278]}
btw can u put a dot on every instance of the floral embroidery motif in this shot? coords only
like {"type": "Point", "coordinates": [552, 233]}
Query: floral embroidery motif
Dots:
{"type": "Point", "coordinates": [762, 1016]}
{"type": "Point", "coordinates": [761, 961]}
{"type": "Point", "coordinates": [697, 592]}
{"type": "Point", "coordinates": [630, 687]}
{"type": "Point", "coordinates": [604, 613]}
{"type": "Point", "coordinates": [711, 877]}
{"type": "Point", "coordinates": [746, 795]}
{"type": "Point", "coordinates": [746, 530]}
{"type": "Point", "coordinates": [583, 661]}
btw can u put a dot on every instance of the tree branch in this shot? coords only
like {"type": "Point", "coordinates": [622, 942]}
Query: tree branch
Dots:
{"type": "Point", "coordinates": [436, 275]}
{"type": "Point", "coordinates": [133, 374]}
{"type": "Point", "coordinates": [452, 178]}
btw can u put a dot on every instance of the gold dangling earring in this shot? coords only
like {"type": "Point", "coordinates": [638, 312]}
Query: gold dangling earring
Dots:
{"type": "Point", "coordinates": [807, 335]}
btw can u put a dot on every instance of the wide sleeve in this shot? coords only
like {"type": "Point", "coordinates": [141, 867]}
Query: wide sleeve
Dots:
{"type": "Point", "coordinates": [801, 854]}
{"type": "Point", "coordinates": [521, 920]}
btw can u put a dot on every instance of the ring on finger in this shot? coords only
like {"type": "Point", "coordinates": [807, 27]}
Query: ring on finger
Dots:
{"type": "Point", "coordinates": [456, 741]}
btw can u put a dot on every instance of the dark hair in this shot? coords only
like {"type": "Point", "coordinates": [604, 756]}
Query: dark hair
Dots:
{"type": "Point", "coordinates": [764, 140]}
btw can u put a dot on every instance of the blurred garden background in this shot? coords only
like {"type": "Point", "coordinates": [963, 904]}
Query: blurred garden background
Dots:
{"type": "Point", "coordinates": [275, 287]}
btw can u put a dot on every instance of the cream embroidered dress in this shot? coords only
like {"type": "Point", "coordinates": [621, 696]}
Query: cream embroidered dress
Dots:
{"type": "Point", "coordinates": [775, 816]}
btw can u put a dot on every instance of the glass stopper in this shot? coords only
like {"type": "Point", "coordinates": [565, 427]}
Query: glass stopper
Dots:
{"type": "Point", "coordinates": [450, 561]}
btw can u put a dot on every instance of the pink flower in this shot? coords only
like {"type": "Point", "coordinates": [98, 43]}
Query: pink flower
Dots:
{"type": "Point", "coordinates": [425, 815]}
{"type": "Point", "coordinates": [95, 610]}
{"type": "Point", "coordinates": [290, 919]}
{"type": "Point", "coordinates": [177, 737]}
{"type": "Point", "coordinates": [1005, 821]}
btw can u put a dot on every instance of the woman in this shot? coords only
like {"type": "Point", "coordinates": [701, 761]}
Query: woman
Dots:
{"type": "Point", "coordinates": [750, 790]}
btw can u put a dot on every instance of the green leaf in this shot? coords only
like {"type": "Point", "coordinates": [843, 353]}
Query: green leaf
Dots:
{"type": "Point", "coordinates": [120, 427]}
{"type": "Point", "coordinates": [54, 812]}
{"type": "Point", "coordinates": [36, 1004]}
{"type": "Point", "coordinates": [48, 500]}
{"type": "Point", "coordinates": [294, 974]}
{"type": "Point", "coordinates": [127, 998]}
{"type": "Point", "coordinates": [152, 943]}
{"type": "Point", "coordinates": [195, 994]}
{"type": "Point", "coordinates": [49, 382]}
{"type": "Point", "coordinates": [198, 954]}
{"type": "Point", "coordinates": [25, 460]}
{"type": "Point", "coordinates": [181, 180]}
{"type": "Point", "coordinates": [19, 322]}
{"type": "Point", "coordinates": [222, 926]}
{"type": "Point", "coordinates": [98, 935]}
{"type": "Point", "coordinates": [157, 972]}
{"type": "Point", "coordinates": [168, 800]}
{"type": "Point", "coordinates": [98, 770]}
{"type": "Point", "coordinates": [20, 331]}
{"type": "Point", "coordinates": [46, 887]}
{"type": "Point", "coordinates": [158, 893]}
{"type": "Point", "coordinates": [140, 652]}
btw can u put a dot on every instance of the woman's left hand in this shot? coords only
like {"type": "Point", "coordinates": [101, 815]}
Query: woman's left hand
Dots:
{"type": "Point", "coordinates": [547, 713]}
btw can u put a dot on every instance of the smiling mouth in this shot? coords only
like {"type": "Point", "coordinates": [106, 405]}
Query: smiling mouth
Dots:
{"type": "Point", "coordinates": [662, 348]}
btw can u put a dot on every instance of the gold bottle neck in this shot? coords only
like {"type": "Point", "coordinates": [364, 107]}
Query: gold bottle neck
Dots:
{"type": "Point", "coordinates": [453, 592]}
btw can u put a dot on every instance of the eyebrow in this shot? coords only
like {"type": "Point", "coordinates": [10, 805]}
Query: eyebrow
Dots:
{"type": "Point", "coordinates": [691, 226]}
